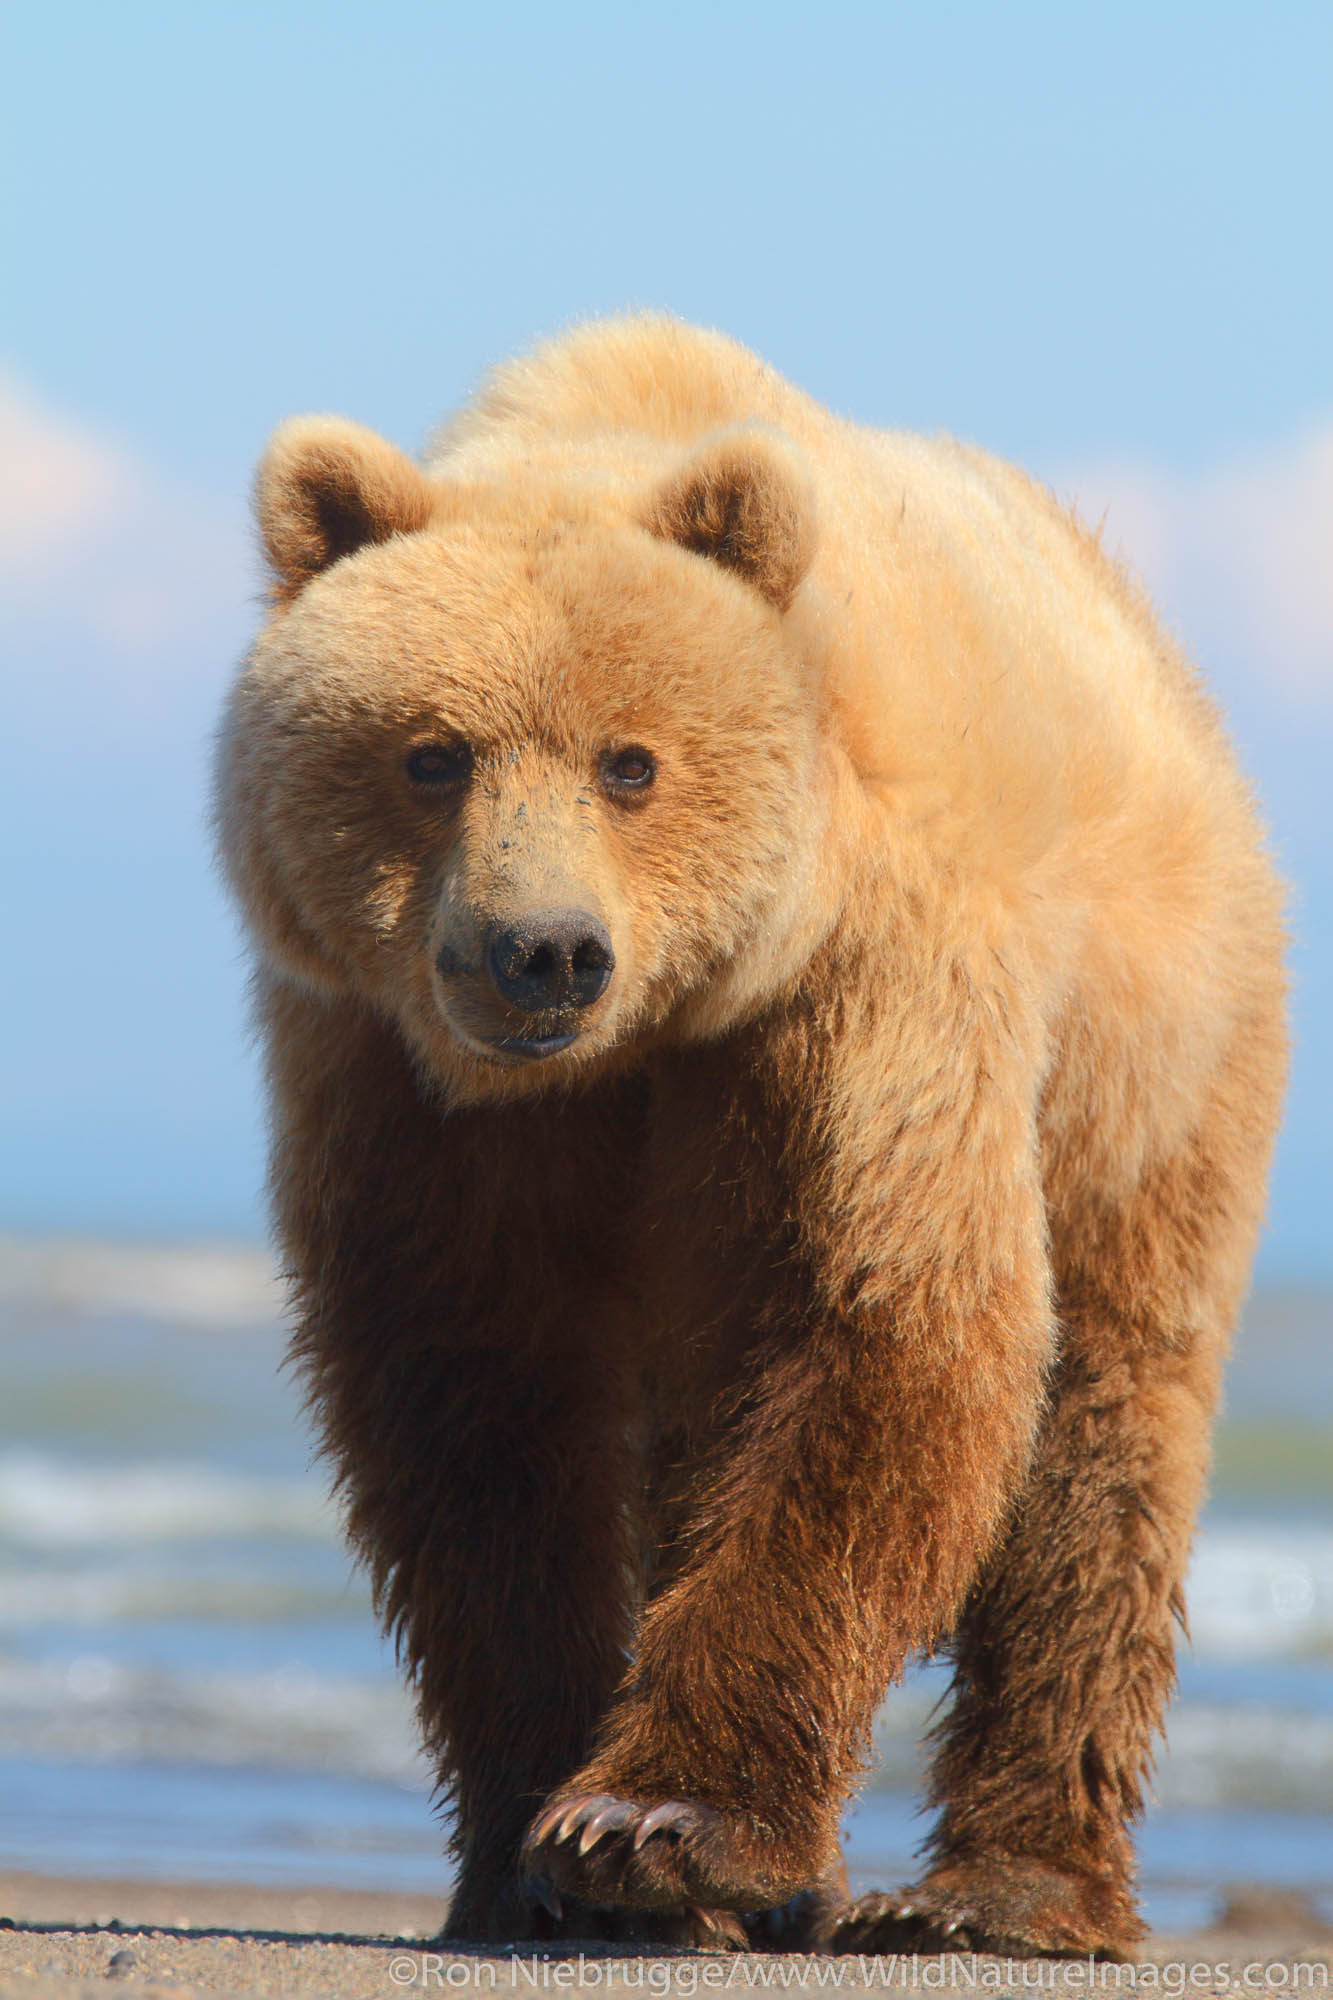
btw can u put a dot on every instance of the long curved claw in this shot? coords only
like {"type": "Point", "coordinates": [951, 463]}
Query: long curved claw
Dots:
{"type": "Point", "coordinates": [595, 1812]}
{"type": "Point", "coordinates": [577, 1810]}
{"type": "Point", "coordinates": [549, 1820]}
{"type": "Point", "coordinates": [612, 1814]}
{"type": "Point", "coordinates": [673, 1817]}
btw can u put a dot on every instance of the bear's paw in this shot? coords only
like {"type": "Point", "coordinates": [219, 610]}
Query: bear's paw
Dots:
{"type": "Point", "coordinates": [659, 1854]}
{"type": "Point", "coordinates": [1005, 1904]}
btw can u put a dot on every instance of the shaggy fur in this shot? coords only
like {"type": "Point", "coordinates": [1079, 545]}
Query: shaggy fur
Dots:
{"type": "Point", "coordinates": [856, 1280]}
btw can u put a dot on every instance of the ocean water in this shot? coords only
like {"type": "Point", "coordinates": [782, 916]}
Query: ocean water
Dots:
{"type": "Point", "coordinates": [191, 1682]}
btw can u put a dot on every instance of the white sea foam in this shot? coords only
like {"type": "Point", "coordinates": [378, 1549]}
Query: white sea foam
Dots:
{"type": "Point", "coordinates": [134, 1592]}
{"type": "Point", "coordinates": [51, 1502]}
{"type": "Point", "coordinates": [99, 1709]}
{"type": "Point", "coordinates": [1262, 1592]}
{"type": "Point", "coordinates": [200, 1287]}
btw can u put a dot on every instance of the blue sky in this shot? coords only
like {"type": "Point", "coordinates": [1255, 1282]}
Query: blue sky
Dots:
{"type": "Point", "coordinates": [1091, 238]}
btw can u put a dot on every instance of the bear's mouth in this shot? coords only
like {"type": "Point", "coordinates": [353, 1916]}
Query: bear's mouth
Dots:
{"type": "Point", "coordinates": [533, 1048]}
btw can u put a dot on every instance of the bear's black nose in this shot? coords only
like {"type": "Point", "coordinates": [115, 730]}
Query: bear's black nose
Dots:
{"type": "Point", "coordinates": [551, 959]}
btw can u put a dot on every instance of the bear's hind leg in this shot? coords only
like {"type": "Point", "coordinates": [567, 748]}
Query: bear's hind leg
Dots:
{"type": "Point", "coordinates": [1065, 1654]}
{"type": "Point", "coordinates": [1063, 1667]}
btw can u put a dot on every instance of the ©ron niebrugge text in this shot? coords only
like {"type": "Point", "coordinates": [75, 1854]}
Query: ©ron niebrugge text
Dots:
{"type": "Point", "coordinates": [536, 1972]}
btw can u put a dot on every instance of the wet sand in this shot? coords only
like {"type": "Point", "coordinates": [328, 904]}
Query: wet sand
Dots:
{"type": "Point", "coordinates": [82, 1936]}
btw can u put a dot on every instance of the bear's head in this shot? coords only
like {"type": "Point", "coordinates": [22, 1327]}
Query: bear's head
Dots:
{"type": "Point", "coordinates": [529, 763]}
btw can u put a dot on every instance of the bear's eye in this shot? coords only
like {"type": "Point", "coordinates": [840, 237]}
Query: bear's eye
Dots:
{"type": "Point", "coordinates": [628, 771]}
{"type": "Point", "coordinates": [441, 765]}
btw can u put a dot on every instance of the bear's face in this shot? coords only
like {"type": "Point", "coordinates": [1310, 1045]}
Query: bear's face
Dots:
{"type": "Point", "coordinates": [537, 782]}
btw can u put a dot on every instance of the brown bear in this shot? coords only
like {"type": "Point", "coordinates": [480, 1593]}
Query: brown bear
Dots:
{"type": "Point", "coordinates": [773, 997]}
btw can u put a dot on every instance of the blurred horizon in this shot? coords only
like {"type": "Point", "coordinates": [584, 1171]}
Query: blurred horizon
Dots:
{"type": "Point", "coordinates": [1085, 239]}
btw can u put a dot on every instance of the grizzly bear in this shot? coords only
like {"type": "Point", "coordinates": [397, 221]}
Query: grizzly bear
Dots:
{"type": "Point", "coordinates": [772, 989]}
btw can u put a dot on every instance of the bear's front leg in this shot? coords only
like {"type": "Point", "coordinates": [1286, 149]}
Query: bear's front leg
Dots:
{"type": "Point", "coordinates": [481, 1426]}
{"type": "Point", "coordinates": [863, 1490]}
{"type": "Point", "coordinates": [885, 1421]}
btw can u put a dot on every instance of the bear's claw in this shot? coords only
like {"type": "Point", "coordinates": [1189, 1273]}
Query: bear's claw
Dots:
{"type": "Point", "coordinates": [676, 1816]}
{"type": "Point", "coordinates": [596, 1812]}
{"type": "Point", "coordinates": [599, 1812]}
{"type": "Point", "coordinates": [631, 1853]}
{"type": "Point", "coordinates": [614, 1814]}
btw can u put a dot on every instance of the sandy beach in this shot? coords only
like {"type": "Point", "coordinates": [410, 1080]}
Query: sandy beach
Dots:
{"type": "Point", "coordinates": [72, 1936]}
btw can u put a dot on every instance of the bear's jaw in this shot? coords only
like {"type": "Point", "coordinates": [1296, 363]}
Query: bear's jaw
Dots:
{"type": "Point", "coordinates": [529, 1045]}
{"type": "Point", "coordinates": [533, 1048]}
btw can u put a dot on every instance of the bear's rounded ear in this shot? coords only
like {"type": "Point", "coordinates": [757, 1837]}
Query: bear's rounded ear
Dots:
{"type": "Point", "coordinates": [745, 499]}
{"type": "Point", "coordinates": [325, 488]}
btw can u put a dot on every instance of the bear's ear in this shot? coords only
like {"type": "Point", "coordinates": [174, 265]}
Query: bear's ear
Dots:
{"type": "Point", "coordinates": [325, 488]}
{"type": "Point", "coordinates": [745, 500]}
